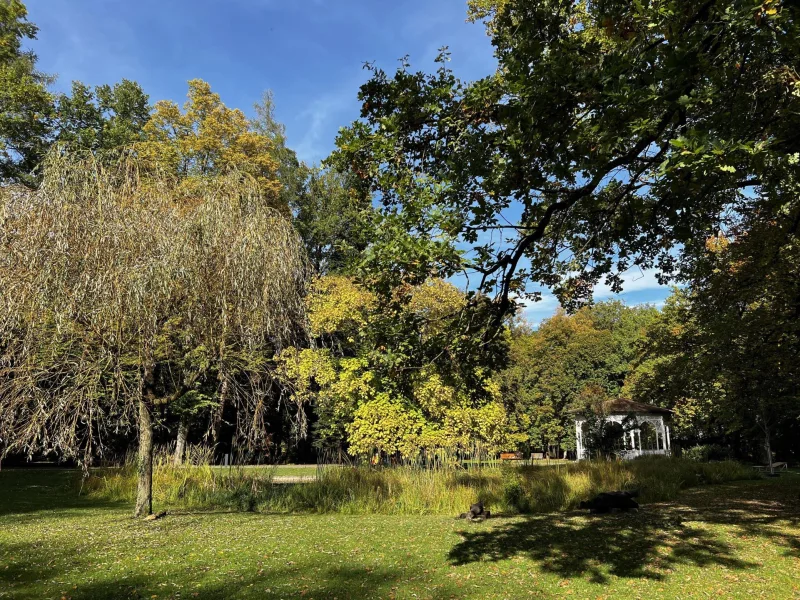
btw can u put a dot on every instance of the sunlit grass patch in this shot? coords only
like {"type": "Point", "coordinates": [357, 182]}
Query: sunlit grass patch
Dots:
{"type": "Point", "coordinates": [735, 540]}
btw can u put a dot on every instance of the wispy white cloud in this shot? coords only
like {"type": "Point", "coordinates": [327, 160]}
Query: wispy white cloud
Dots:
{"type": "Point", "coordinates": [536, 312]}
{"type": "Point", "coordinates": [322, 119]}
{"type": "Point", "coordinates": [311, 146]}
{"type": "Point", "coordinates": [640, 287]}
{"type": "Point", "coordinates": [635, 280]}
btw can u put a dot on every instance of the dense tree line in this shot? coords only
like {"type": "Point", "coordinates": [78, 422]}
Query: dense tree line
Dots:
{"type": "Point", "coordinates": [613, 135]}
{"type": "Point", "coordinates": [154, 262]}
{"type": "Point", "coordinates": [569, 364]}
{"type": "Point", "coordinates": [176, 273]}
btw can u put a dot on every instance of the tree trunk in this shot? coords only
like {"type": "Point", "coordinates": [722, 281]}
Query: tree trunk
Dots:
{"type": "Point", "coordinates": [218, 418]}
{"type": "Point", "coordinates": [144, 494]}
{"type": "Point", "coordinates": [768, 448]}
{"type": "Point", "coordinates": [180, 446]}
{"type": "Point", "coordinates": [277, 439]}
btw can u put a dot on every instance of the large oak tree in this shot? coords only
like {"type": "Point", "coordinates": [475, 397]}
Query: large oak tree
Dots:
{"type": "Point", "coordinates": [613, 134]}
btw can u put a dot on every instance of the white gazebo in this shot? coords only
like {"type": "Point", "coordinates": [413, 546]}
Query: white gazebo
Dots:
{"type": "Point", "coordinates": [650, 436]}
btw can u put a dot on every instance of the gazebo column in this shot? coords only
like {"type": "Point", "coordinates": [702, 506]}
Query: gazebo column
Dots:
{"type": "Point", "coordinates": [669, 445]}
{"type": "Point", "coordinates": [579, 439]}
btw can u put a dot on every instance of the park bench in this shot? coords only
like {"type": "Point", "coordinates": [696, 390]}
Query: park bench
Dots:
{"type": "Point", "coordinates": [775, 466]}
{"type": "Point", "coordinates": [511, 456]}
{"type": "Point", "coordinates": [537, 455]}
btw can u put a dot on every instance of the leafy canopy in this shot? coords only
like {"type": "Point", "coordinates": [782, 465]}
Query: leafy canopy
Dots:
{"type": "Point", "coordinates": [102, 119]}
{"type": "Point", "coordinates": [392, 378]}
{"type": "Point", "coordinates": [613, 134]}
{"type": "Point", "coordinates": [569, 363]}
{"type": "Point", "coordinates": [207, 138]}
{"type": "Point", "coordinates": [25, 104]}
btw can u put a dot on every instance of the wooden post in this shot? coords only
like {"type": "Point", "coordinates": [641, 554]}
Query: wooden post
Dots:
{"type": "Point", "coordinates": [180, 445]}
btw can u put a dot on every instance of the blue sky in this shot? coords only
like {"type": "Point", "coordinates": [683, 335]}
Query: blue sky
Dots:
{"type": "Point", "coordinates": [310, 53]}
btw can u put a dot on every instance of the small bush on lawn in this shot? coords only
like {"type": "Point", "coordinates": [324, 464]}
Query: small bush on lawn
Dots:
{"type": "Point", "coordinates": [707, 452]}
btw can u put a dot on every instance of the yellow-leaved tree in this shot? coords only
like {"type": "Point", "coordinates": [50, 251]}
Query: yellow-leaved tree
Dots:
{"type": "Point", "coordinates": [387, 378]}
{"type": "Point", "coordinates": [206, 139]}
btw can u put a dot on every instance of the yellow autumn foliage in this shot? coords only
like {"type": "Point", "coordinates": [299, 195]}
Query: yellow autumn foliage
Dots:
{"type": "Point", "coordinates": [207, 138]}
{"type": "Point", "coordinates": [386, 425]}
{"type": "Point", "coordinates": [372, 412]}
{"type": "Point", "coordinates": [338, 304]}
{"type": "Point", "coordinates": [301, 368]}
{"type": "Point", "coordinates": [433, 396]}
{"type": "Point", "coordinates": [436, 302]}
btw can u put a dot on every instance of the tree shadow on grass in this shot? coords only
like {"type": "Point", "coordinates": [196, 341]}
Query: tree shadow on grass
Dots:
{"type": "Point", "coordinates": [29, 491]}
{"type": "Point", "coordinates": [648, 544]}
{"type": "Point", "coordinates": [342, 583]}
{"type": "Point", "coordinates": [23, 581]}
{"type": "Point", "coordinates": [619, 545]}
{"type": "Point", "coordinates": [753, 510]}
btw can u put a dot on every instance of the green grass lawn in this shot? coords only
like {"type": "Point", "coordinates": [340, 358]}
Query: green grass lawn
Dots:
{"type": "Point", "coordinates": [295, 470]}
{"type": "Point", "coordinates": [729, 541]}
{"type": "Point", "coordinates": [281, 470]}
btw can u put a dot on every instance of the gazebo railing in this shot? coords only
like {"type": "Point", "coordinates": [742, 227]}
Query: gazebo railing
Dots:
{"type": "Point", "coordinates": [635, 443]}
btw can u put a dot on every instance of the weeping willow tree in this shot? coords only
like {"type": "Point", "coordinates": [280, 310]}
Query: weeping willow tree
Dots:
{"type": "Point", "coordinates": [110, 279]}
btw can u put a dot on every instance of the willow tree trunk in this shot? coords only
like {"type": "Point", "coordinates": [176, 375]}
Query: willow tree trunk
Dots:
{"type": "Point", "coordinates": [144, 493]}
{"type": "Point", "coordinates": [180, 446]}
{"type": "Point", "coordinates": [219, 416]}
{"type": "Point", "coordinates": [768, 450]}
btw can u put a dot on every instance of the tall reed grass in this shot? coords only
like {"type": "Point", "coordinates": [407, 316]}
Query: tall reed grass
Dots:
{"type": "Point", "coordinates": [194, 485]}
{"type": "Point", "coordinates": [411, 490]}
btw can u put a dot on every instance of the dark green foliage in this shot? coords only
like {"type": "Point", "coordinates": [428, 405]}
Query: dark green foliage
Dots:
{"type": "Point", "coordinates": [26, 108]}
{"type": "Point", "coordinates": [722, 354]}
{"type": "Point", "coordinates": [103, 119]}
{"type": "Point", "coordinates": [568, 363]}
{"type": "Point", "coordinates": [707, 453]}
{"type": "Point", "coordinates": [616, 130]}
{"type": "Point", "coordinates": [333, 220]}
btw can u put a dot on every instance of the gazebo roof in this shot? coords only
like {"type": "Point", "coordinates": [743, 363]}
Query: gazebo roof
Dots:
{"type": "Point", "coordinates": [624, 407]}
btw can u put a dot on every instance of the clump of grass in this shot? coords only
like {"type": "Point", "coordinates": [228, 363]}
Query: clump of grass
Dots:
{"type": "Point", "coordinates": [396, 490]}
{"type": "Point", "coordinates": [656, 478]}
{"type": "Point", "coordinates": [193, 485]}
{"type": "Point", "coordinates": [413, 490]}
